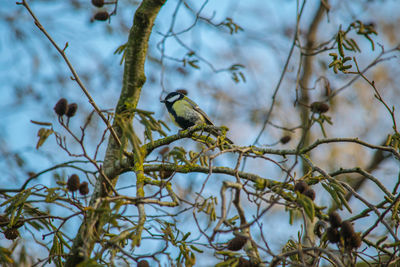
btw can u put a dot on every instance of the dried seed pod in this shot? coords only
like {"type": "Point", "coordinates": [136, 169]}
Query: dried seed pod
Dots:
{"type": "Point", "coordinates": [319, 107]}
{"type": "Point", "coordinates": [354, 241]}
{"type": "Point", "coordinates": [101, 15]}
{"type": "Point", "coordinates": [310, 193]}
{"type": "Point", "coordinates": [301, 186]}
{"type": "Point", "coordinates": [84, 188]}
{"type": "Point", "coordinates": [333, 235]}
{"type": "Point", "coordinates": [73, 183]}
{"type": "Point", "coordinates": [98, 3]}
{"type": "Point", "coordinates": [335, 220]}
{"type": "Point", "coordinates": [143, 263]}
{"type": "Point", "coordinates": [346, 230]}
{"type": "Point", "coordinates": [236, 243]}
{"type": "Point", "coordinates": [182, 91]}
{"type": "Point", "coordinates": [285, 139]}
{"type": "Point", "coordinates": [11, 233]}
{"type": "Point", "coordinates": [61, 107]}
{"type": "Point", "coordinates": [71, 110]}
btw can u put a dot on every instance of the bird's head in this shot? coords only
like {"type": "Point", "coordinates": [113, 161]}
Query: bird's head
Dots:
{"type": "Point", "coordinates": [172, 97]}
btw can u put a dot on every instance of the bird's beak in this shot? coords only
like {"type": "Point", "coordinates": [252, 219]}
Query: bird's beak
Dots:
{"type": "Point", "coordinates": [162, 101]}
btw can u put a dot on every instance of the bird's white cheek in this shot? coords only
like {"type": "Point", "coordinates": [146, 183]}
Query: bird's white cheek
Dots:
{"type": "Point", "coordinates": [174, 98]}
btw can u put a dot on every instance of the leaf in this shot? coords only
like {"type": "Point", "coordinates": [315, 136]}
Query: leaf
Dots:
{"type": "Point", "coordinates": [333, 194]}
{"type": "Point", "coordinates": [193, 64]}
{"type": "Point", "coordinates": [345, 203]}
{"type": "Point", "coordinates": [307, 204]}
{"type": "Point", "coordinates": [196, 249]}
{"type": "Point", "coordinates": [186, 236]}
{"type": "Point", "coordinates": [229, 262]}
{"type": "Point", "coordinates": [43, 134]}
{"type": "Point", "coordinates": [42, 123]}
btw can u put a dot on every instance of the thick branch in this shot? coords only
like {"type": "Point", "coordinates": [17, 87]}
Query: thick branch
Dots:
{"type": "Point", "coordinates": [133, 80]}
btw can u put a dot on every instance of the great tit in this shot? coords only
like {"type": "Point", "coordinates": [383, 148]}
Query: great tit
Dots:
{"type": "Point", "coordinates": [185, 113]}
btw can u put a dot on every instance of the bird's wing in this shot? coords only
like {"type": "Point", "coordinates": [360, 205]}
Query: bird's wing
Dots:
{"type": "Point", "coordinates": [196, 108]}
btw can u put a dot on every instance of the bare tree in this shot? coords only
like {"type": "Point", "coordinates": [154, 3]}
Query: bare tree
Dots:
{"type": "Point", "coordinates": [308, 90]}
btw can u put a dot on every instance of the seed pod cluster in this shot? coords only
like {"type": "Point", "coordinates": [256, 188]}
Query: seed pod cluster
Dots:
{"type": "Point", "coordinates": [285, 139]}
{"type": "Point", "coordinates": [63, 108]}
{"type": "Point", "coordinates": [101, 16]}
{"type": "Point", "coordinates": [335, 220]}
{"type": "Point", "coordinates": [333, 234]}
{"type": "Point", "coordinates": [98, 3]}
{"type": "Point", "coordinates": [84, 188]}
{"type": "Point", "coordinates": [352, 240]}
{"type": "Point", "coordinates": [143, 263]}
{"type": "Point", "coordinates": [319, 107]}
{"type": "Point", "coordinates": [310, 193]}
{"type": "Point", "coordinates": [303, 188]}
{"type": "Point", "coordinates": [71, 110]}
{"type": "Point", "coordinates": [236, 243]}
{"type": "Point", "coordinates": [11, 233]}
{"type": "Point", "coordinates": [73, 184]}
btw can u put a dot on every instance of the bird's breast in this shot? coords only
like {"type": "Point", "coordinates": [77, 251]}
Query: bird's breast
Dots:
{"type": "Point", "coordinates": [185, 116]}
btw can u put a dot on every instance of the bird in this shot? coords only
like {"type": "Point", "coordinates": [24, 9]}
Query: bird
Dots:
{"type": "Point", "coordinates": [185, 113]}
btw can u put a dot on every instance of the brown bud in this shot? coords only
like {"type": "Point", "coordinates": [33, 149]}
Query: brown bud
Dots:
{"type": "Point", "coordinates": [335, 219]}
{"type": "Point", "coordinates": [143, 263]}
{"type": "Point", "coordinates": [11, 233]}
{"type": "Point", "coordinates": [98, 3]}
{"type": "Point", "coordinates": [73, 183]}
{"type": "Point", "coordinates": [310, 193]}
{"type": "Point", "coordinates": [236, 243]}
{"type": "Point", "coordinates": [301, 186]}
{"type": "Point", "coordinates": [71, 110]}
{"type": "Point", "coordinates": [319, 107]}
{"type": "Point", "coordinates": [347, 229]}
{"type": "Point", "coordinates": [182, 71]}
{"type": "Point", "coordinates": [333, 235]}
{"type": "Point", "coordinates": [285, 139]}
{"type": "Point", "coordinates": [61, 107]}
{"type": "Point", "coordinates": [84, 188]}
{"type": "Point", "coordinates": [163, 151]}
{"type": "Point", "coordinates": [101, 15]}
{"type": "Point", "coordinates": [182, 91]}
